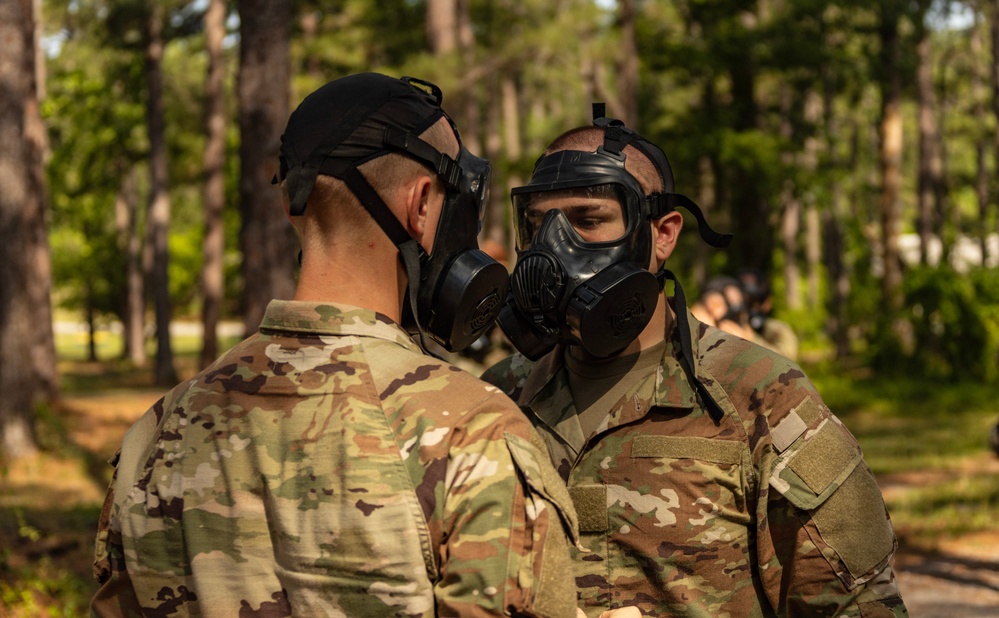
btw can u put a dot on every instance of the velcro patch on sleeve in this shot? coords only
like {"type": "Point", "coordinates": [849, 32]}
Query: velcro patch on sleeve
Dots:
{"type": "Point", "coordinates": [823, 458]}
{"type": "Point", "coordinates": [591, 507]}
{"type": "Point", "coordinates": [854, 523]}
{"type": "Point", "coordinates": [703, 449]}
{"type": "Point", "coordinates": [787, 431]}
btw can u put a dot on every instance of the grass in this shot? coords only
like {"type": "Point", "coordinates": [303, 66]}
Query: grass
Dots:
{"type": "Point", "coordinates": [925, 441]}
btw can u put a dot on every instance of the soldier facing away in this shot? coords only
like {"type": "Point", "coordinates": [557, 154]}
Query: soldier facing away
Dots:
{"type": "Point", "coordinates": [325, 466]}
{"type": "Point", "coordinates": [709, 477]}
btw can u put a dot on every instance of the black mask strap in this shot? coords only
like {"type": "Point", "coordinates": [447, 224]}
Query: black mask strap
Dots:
{"type": "Point", "coordinates": [409, 250]}
{"type": "Point", "coordinates": [686, 347]}
{"type": "Point", "coordinates": [663, 203]}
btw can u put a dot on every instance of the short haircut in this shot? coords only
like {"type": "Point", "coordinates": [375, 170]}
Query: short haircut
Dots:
{"type": "Point", "coordinates": [589, 138]}
{"type": "Point", "coordinates": [333, 210]}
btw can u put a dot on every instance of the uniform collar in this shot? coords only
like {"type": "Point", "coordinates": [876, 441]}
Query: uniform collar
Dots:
{"type": "Point", "coordinates": [546, 390]}
{"type": "Point", "coordinates": [336, 319]}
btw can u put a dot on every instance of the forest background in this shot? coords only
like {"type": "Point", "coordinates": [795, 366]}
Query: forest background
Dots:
{"type": "Point", "coordinates": [850, 145]}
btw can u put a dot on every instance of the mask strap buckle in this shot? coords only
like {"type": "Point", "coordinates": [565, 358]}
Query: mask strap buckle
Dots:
{"type": "Point", "coordinates": [446, 167]}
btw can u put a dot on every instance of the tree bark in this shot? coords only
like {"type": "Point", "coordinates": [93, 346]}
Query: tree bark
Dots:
{"type": "Point", "coordinates": [212, 280]}
{"type": "Point", "coordinates": [628, 64]}
{"type": "Point", "coordinates": [499, 213]}
{"type": "Point", "coordinates": [467, 101]}
{"type": "Point", "coordinates": [994, 27]}
{"type": "Point", "coordinates": [833, 243]}
{"type": "Point", "coordinates": [442, 31]}
{"type": "Point", "coordinates": [978, 113]}
{"type": "Point", "coordinates": [750, 212]}
{"type": "Point", "coordinates": [790, 228]}
{"type": "Point", "coordinates": [930, 167]}
{"type": "Point", "coordinates": [891, 162]}
{"type": "Point", "coordinates": [790, 208]}
{"type": "Point", "coordinates": [130, 241]}
{"type": "Point", "coordinates": [268, 243]}
{"type": "Point", "coordinates": [27, 352]}
{"type": "Point", "coordinates": [165, 374]}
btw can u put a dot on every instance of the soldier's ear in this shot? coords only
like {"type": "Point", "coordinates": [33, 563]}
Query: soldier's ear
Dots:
{"type": "Point", "coordinates": [665, 233]}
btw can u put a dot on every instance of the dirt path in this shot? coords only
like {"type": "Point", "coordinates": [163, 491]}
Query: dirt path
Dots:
{"type": "Point", "coordinates": [960, 581]}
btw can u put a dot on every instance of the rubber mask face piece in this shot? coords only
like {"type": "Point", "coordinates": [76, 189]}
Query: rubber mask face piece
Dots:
{"type": "Point", "coordinates": [584, 243]}
{"type": "Point", "coordinates": [461, 288]}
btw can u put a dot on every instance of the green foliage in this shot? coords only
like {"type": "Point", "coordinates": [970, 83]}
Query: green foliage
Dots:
{"type": "Point", "coordinates": [950, 329]}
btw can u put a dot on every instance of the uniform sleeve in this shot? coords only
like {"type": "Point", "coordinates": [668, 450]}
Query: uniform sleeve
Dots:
{"type": "Point", "coordinates": [507, 525]}
{"type": "Point", "coordinates": [509, 375]}
{"type": "Point", "coordinates": [826, 542]}
{"type": "Point", "coordinates": [115, 597]}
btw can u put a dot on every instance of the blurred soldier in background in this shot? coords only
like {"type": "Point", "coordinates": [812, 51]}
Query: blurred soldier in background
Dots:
{"type": "Point", "coordinates": [778, 334]}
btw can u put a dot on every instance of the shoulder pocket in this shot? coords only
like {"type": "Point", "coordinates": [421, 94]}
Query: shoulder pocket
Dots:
{"type": "Point", "coordinates": [824, 474]}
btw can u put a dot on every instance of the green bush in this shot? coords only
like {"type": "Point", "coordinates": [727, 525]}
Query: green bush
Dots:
{"type": "Point", "coordinates": [949, 329]}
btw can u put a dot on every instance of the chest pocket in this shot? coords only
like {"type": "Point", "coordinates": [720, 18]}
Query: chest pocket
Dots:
{"type": "Point", "coordinates": [666, 482]}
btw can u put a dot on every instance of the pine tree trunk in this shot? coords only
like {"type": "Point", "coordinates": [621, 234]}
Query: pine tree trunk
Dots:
{"type": "Point", "coordinates": [27, 352]}
{"type": "Point", "coordinates": [159, 199]}
{"type": "Point", "coordinates": [442, 28]}
{"type": "Point", "coordinates": [833, 245]}
{"type": "Point", "coordinates": [628, 64]}
{"type": "Point", "coordinates": [929, 155]}
{"type": "Point", "coordinates": [994, 27]}
{"type": "Point", "coordinates": [978, 114]}
{"type": "Point", "coordinates": [130, 240]}
{"type": "Point", "coordinates": [891, 163]}
{"type": "Point", "coordinates": [790, 205]}
{"type": "Point", "coordinates": [499, 213]}
{"type": "Point", "coordinates": [212, 280]}
{"type": "Point", "coordinates": [790, 227]}
{"type": "Point", "coordinates": [267, 241]}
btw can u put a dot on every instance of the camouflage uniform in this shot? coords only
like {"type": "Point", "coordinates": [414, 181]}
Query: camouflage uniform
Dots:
{"type": "Point", "coordinates": [326, 467]}
{"type": "Point", "coordinates": [771, 511]}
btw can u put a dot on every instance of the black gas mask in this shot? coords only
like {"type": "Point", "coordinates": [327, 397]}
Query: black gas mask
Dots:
{"type": "Point", "coordinates": [584, 244]}
{"type": "Point", "coordinates": [454, 292]}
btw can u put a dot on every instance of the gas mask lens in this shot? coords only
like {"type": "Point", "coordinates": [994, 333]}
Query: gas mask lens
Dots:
{"type": "Point", "coordinates": [596, 214]}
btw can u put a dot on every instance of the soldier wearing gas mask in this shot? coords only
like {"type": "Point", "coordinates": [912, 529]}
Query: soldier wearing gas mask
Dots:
{"type": "Point", "coordinates": [326, 466]}
{"type": "Point", "coordinates": [709, 477]}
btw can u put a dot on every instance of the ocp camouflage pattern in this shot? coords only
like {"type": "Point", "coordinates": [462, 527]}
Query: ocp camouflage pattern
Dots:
{"type": "Point", "coordinates": [326, 467]}
{"type": "Point", "coordinates": [771, 511]}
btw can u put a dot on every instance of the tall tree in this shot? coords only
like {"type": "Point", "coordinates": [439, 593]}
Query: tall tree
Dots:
{"type": "Point", "coordinates": [159, 197]}
{"type": "Point", "coordinates": [27, 351]}
{"type": "Point", "coordinates": [978, 113]}
{"type": "Point", "coordinates": [627, 63]}
{"type": "Point", "coordinates": [891, 156]}
{"type": "Point", "coordinates": [214, 190]}
{"type": "Point", "coordinates": [130, 244]}
{"type": "Point", "coordinates": [994, 28]}
{"type": "Point", "coordinates": [442, 30]}
{"type": "Point", "coordinates": [930, 176]}
{"type": "Point", "coordinates": [267, 241]}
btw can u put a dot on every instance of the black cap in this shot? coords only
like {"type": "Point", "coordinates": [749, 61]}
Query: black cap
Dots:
{"type": "Point", "coordinates": [345, 122]}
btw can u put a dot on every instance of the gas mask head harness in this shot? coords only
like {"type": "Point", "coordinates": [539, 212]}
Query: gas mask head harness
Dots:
{"type": "Point", "coordinates": [592, 290]}
{"type": "Point", "coordinates": [455, 291]}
